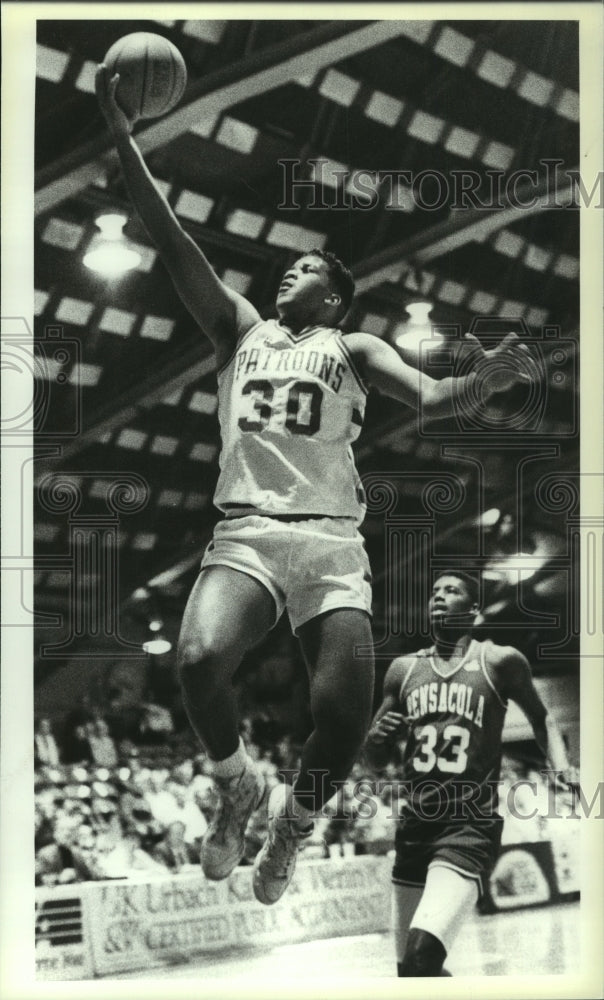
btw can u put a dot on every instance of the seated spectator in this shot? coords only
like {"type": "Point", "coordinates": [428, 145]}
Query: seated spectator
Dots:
{"type": "Point", "coordinates": [120, 854]}
{"type": "Point", "coordinates": [155, 724]}
{"type": "Point", "coordinates": [105, 817]}
{"type": "Point", "coordinates": [184, 772]}
{"type": "Point", "coordinates": [266, 764]}
{"type": "Point", "coordinates": [74, 743]}
{"type": "Point", "coordinates": [246, 730]}
{"type": "Point", "coordinates": [130, 757]}
{"type": "Point", "coordinates": [77, 782]}
{"type": "Point", "coordinates": [134, 807]}
{"type": "Point", "coordinates": [173, 850]}
{"type": "Point", "coordinates": [203, 789]}
{"type": "Point", "coordinates": [103, 751]}
{"type": "Point", "coordinates": [50, 792]}
{"type": "Point", "coordinates": [103, 785]}
{"type": "Point", "coordinates": [62, 862]}
{"type": "Point", "coordinates": [202, 769]}
{"type": "Point", "coordinates": [43, 827]}
{"type": "Point", "coordinates": [374, 828]}
{"type": "Point", "coordinates": [46, 750]}
{"type": "Point", "coordinates": [84, 853]}
{"type": "Point", "coordinates": [518, 803]}
{"type": "Point", "coordinates": [76, 793]}
{"type": "Point", "coordinates": [285, 753]}
{"type": "Point", "coordinates": [188, 812]}
{"type": "Point", "coordinates": [125, 697]}
{"type": "Point", "coordinates": [84, 844]}
{"type": "Point", "coordinates": [160, 799]}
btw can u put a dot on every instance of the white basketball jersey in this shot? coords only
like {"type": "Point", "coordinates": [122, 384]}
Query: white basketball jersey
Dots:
{"type": "Point", "coordinates": [289, 408]}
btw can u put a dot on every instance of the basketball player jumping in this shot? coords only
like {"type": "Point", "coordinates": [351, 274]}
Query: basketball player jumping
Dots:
{"type": "Point", "coordinates": [292, 396]}
{"type": "Point", "coordinates": [449, 702]}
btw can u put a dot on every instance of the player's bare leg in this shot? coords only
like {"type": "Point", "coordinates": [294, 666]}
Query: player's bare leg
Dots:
{"type": "Point", "coordinates": [227, 613]}
{"type": "Point", "coordinates": [341, 692]}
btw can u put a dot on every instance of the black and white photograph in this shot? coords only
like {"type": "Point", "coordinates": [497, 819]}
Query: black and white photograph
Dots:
{"type": "Point", "coordinates": [302, 507]}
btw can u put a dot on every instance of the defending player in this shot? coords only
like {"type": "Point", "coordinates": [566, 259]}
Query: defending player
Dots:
{"type": "Point", "coordinates": [292, 396]}
{"type": "Point", "coordinates": [450, 701]}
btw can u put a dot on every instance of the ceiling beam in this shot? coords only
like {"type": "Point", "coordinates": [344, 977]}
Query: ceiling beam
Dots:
{"type": "Point", "coordinates": [470, 225]}
{"type": "Point", "coordinates": [460, 229]}
{"type": "Point", "coordinates": [188, 368]}
{"type": "Point", "coordinates": [255, 74]}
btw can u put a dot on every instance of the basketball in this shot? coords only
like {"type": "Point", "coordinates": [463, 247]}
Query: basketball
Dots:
{"type": "Point", "coordinates": [152, 73]}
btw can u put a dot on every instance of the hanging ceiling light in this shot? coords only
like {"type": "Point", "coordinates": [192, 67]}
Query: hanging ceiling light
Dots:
{"type": "Point", "coordinates": [415, 331]}
{"type": "Point", "coordinates": [109, 252]}
{"type": "Point", "coordinates": [419, 313]}
{"type": "Point", "coordinates": [490, 517]}
{"type": "Point", "coordinates": [157, 643]}
{"type": "Point", "coordinates": [519, 567]}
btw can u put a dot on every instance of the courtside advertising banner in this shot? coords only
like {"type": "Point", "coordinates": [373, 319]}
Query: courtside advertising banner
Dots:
{"type": "Point", "coordinates": [63, 932]}
{"type": "Point", "coordinates": [141, 924]}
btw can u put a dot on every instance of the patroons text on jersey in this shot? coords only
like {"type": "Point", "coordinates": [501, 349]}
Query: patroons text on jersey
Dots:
{"type": "Point", "coordinates": [326, 367]}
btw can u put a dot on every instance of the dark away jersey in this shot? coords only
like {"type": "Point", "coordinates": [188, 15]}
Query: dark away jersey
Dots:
{"type": "Point", "coordinates": [453, 750]}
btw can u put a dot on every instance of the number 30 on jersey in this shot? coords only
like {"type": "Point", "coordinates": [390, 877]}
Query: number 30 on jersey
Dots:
{"type": "Point", "coordinates": [302, 409]}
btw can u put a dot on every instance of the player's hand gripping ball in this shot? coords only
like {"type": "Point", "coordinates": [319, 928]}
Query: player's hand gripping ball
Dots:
{"type": "Point", "coordinates": [152, 74]}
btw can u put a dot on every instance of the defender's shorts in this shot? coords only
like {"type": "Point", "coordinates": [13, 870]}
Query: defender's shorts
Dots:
{"type": "Point", "coordinates": [309, 566]}
{"type": "Point", "coordinates": [470, 849]}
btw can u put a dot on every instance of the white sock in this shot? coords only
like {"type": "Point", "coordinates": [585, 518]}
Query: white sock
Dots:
{"type": "Point", "coordinates": [302, 816]}
{"type": "Point", "coordinates": [233, 766]}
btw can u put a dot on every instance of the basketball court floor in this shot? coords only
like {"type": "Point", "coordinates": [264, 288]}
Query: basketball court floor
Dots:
{"type": "Point", "coordinates": [543, 940]}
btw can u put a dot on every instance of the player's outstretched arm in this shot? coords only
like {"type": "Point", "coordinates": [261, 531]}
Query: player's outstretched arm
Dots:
{"type": "Point", "coordinates": [222, 314]}
{"type": "Point", "coordinates": [514, 680]}
{"type": "Point", "coordinates": [383, 368]}
{"type": "Point", "coordinates": [388, 723]}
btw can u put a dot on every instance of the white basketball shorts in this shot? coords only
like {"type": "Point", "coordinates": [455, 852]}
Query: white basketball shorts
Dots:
{"type": "Point", "coordinates": [308, 566]}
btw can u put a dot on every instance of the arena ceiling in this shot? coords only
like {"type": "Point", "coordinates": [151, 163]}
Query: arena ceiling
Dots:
{"type": "Point", "coordinates": [410, 137]}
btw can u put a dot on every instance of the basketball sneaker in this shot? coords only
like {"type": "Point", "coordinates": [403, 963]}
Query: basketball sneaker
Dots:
{"type": "Point", "coordinates": [275, 863]}
{"type": "Point", "coordinates": [223, 843]}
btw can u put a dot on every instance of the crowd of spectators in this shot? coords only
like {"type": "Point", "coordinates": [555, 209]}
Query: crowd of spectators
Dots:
{"type": "Point", "coordinates": [123, 808]}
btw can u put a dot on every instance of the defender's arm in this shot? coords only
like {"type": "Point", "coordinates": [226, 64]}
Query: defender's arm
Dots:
{"type": "Point", "coordinates": [514, 681]}
{"type": "Point", "coordinates": [388, 723]}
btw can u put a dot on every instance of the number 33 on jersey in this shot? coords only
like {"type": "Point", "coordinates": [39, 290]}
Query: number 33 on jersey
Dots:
{"type": "Point", "coordinates": [455, 721]}
{"type": "Point", "coordinates": [289, 409]}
